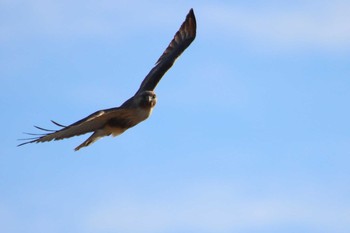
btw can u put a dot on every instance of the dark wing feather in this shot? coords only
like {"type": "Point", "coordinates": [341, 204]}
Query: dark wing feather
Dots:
{"type": "Point", "coordinates": [88, 124]}
{"type": "Point", "coordinates": [182, 39]}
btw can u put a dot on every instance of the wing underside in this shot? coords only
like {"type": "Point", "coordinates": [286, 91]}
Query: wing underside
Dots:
{"type": "Point", "coordinates": [182, 39]}
{"type": "Point", "coordinates": [88, 124]}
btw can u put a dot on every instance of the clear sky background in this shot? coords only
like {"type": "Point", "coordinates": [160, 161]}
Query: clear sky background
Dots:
{"type": "Point", "coordinates": [250, 134]}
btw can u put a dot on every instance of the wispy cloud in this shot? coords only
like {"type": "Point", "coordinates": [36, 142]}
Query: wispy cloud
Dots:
{"type": "Point", "coordinates": [214, 209]}
{"type": "Point", "coordinates": [69, 19]}
{"type": "Point", "coordinates": [310, 23]}
{"type": "Point", "coordinates": [306, 23]}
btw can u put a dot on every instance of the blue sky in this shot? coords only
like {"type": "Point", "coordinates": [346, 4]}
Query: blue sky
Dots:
{"type": "Point", "coordinates": [250, 133]}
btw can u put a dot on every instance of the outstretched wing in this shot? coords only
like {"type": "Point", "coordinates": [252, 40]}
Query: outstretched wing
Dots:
{"type": "Point", "coordinates": [182, 39]}
{"type": "Point", "coordinates": [88, 124]}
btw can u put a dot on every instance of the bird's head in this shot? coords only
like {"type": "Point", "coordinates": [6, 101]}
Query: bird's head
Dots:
{"type": "Point", "coordinates": [147, 99]}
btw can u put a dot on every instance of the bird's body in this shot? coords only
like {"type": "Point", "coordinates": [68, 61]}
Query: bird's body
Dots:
{"type": "Point", "coordinates": [115, 121]}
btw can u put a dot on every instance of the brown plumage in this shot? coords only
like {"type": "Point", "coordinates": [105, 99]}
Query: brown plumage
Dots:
{"type": "Point", "coordinates": [115, 121]}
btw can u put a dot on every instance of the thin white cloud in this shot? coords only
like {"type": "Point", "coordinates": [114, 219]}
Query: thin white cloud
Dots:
{"type": "Point", "coordinates": [322, 24]}
{"type": "Point", "coordinates": [72, 19]}
{"type": "Point", "coordinates": [215, 209]}
{"type": "Point", "coordinates": [318, 23]}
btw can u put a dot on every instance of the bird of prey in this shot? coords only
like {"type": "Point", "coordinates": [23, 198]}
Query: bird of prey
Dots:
{"type": "Point", "coordinates": [115, 121]}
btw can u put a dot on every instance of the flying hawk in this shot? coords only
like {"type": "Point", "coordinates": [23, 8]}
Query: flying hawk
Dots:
{"type": "Point", "coordinates": [115, 121]}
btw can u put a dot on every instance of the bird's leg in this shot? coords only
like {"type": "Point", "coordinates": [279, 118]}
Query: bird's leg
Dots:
{"type": "Point", "coordinates": [93, 138]}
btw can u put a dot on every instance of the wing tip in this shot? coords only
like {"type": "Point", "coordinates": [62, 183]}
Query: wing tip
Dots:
{"type": "Point", "coordinates": [191, 12]}
{"type": "Point", "coordinates": [191, 22]}
{"type": "Point", "coordinates": [192, 16]}
{"type": "Point", "coordinates": [40, 136]}
{"type": "Point", "coordinates": [24, 143]}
